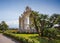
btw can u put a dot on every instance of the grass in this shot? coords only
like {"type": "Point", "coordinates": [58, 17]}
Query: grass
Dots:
{"type": "Point", "coordinates": [0, 31]}
{"type": "Point", "coordinates": [33, 38]}
{"type": "Point", "coordinates": [36, 39]}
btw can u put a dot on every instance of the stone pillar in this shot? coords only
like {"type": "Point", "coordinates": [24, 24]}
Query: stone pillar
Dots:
{"type": "Point", "coordinates": [26, 23]}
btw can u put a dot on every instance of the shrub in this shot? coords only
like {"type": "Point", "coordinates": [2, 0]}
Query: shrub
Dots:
{"type": "Point", "coordinates": [22, 39]}
{"type": "Point", "coordinates": [50, 33]}
{"type": "Point", "coordinates": [0, 31]}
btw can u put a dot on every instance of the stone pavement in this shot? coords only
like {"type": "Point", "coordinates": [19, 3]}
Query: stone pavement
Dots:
{"type": "Point", "coordinates": [4, 39]}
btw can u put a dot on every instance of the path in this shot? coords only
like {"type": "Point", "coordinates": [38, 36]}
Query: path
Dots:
{"type": "Point", "coordinates": [4, 39]}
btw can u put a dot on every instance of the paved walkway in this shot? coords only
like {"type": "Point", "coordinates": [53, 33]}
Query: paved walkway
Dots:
{"type": "Point", "coordinates": [4, 39]}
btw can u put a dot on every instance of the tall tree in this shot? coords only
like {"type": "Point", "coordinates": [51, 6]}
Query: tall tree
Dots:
{"type": "Point", "coordinates": [0, 26]}
{"type": "Point", "coordinates": [4, 26]}
{"type": "Point", "coordinates": [43, 19]}
{"type": "Point", "coordinates": [39, 21]}
{"type": "Point", "coordinates": [33, 17]}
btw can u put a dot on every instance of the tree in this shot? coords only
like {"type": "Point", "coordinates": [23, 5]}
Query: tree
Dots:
{"type": "Point", "coordinates": [54, 18]}
{"type": "Point", "coordinates": [34, 17]}
{"type": "Point", "coordinates": [39, 21]}
{"type": "Point", "coordinates": [0, 27]}
{"type": "Point", "coordinates": [43, 19]}
{"type": "Point", "coordinates": [4, 26]}
{"type": "Point", "coordinates": [57, 21]}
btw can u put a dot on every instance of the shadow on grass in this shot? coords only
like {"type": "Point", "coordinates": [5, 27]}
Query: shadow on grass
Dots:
{"type": "Point", "coordinates": [45, 40]}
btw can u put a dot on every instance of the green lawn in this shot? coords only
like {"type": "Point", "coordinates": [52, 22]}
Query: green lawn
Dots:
{"type": "Point", "coordinates": [31, 38]}
{"type": "Point", "coordinates": [35, 38]}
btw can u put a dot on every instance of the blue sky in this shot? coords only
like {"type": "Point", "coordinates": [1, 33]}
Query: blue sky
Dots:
{"type": "Point", "coordinates": [10, 10]}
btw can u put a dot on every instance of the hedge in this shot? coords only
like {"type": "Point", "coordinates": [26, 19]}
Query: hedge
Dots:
{"type": "Point", "coordinates": [21, 39]}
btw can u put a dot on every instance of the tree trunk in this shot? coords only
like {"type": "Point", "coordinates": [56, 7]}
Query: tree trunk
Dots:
{"type": "Point", "coordinates": [41, 30]}
{"type": "Point", "coordinates": [42, 27]}
{"type": "Point", "coordinates": [36, 27]}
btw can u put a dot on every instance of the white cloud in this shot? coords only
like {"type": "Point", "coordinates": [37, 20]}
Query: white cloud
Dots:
{"type": "Point", "coordinates": [13, 23]}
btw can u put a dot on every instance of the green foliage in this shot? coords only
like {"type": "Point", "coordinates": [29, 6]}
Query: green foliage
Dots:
{"type": "Point", "coordinates": [3, 26]}
{"type": "Point", "coordinates": [24, 38]}
{"type": "Point", "coordinates": [50, 33]}
{"type": "Point", "coordinates": [55, 18]}
{"type": "Point", "coordinates": [12, 31]}
{"type": "Point", "coordinates": [40, 21]}
{"type": "Point", "coordinates": [0, 31]}
{"type": "Point", "coordinates": [31, 38]}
